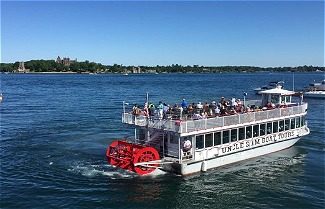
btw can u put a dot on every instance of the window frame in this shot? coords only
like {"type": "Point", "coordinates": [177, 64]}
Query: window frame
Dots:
{"type": "Point", "coordinates": [223, 136]}
{"type": "Point", "coordinates": [264, 129]}
{"type": "Point", "coordinates": [205, 140]}
{"type": "Point", "coordinates": [215, 140]}
{"type": "Point", "coordinates": [196, 140]}
{"type": "Point", "coordinates": [251, 132]}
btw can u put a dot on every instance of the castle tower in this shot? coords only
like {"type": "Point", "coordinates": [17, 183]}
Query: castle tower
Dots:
{"type": "Point", "coordinates": [58, 60]}
{"type": "Point", "coordinates": [21, 67]}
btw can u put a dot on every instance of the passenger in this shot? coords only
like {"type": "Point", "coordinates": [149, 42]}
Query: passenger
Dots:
{"type": "Point", "coordinates": [145, 109]}
{"type": "Point", "coordinates": [222, 101]}
{"type": "Point", "coordinates": [151, 109]}
{"type": "Point", "coordinates": [197, 116]}
{"type": "Point", "coordinates": [190, 110]}
{"type": "Point", "coordinates": [134, 109]}
{"type": "Point", "coordinates": [212, 108]}
{"type": "Point", "coordinates": [199, 106]}
{"type": "Point", "coordinates": [232, 111]}
{"type": "Point", "coordinates": [165, 110]}
{"type": "Point", "coordinates": [269, 105]}
{"type": "Point", "coordinates": [184, 104]}
{"type": "Point", "coordinates": [160, 110]}
{"type": "Point", "coordinates": [239, 102]}
{"type": "Point", "coordinates": [233, 102]}
{"type": "Point", "coordinates": [301, 98]}
{"type": "Point", "coordinates": [206, 108]}
{"type": "Point", "coordinates": [217, 110]}
{"type": "Point", "coordinates": [223, 110]}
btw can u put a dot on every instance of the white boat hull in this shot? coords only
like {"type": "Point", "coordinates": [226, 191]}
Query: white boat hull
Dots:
{"type": "Point", "coordinates": [314, 94]}
{"type": "Point", "coordinates": [227, 157]}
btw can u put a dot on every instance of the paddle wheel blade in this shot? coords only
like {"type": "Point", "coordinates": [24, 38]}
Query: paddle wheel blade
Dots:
{"type": "Point", "coordinates": [125, 155]}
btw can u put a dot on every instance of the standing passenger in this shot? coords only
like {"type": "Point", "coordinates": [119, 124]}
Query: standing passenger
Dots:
{"type": "Point", "coordinates": [184, 104]}
{"type": "Point", "coordinates": [160, 110]}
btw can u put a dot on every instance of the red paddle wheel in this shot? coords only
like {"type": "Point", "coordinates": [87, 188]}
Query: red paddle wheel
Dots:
{"type": "Point", "coordinates": [132, 157]}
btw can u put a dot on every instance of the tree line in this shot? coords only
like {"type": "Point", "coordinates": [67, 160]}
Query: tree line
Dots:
{"type": "Point", "coordinates": [92, 67]}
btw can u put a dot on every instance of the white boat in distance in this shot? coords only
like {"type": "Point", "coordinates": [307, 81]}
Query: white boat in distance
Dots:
{"type": "Point", "coordinates": [272, 85]}
{"type": "Point", "coordinates": [182, 145]}
{"type": "Point", "coordinates": [315, 90]}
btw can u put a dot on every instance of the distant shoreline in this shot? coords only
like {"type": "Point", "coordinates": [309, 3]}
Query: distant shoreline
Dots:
{"type": "Point", "coordinates": [146, 73]}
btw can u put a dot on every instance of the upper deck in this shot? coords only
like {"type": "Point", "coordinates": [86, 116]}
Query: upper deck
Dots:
{"type": "Point", "coordinates": [184, 125]}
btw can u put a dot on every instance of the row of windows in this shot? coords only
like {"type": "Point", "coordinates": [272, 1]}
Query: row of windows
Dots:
{"type": "Point", "coordinates": [247, 132]}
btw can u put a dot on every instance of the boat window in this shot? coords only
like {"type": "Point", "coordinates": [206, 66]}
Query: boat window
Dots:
{"type": "Point", "coordinates": [281, 125]}
{"type": "Point", "coordinates": [141, 134]}
{"type": "Point", "coordinates": [248, 132]}
{"type": "Point", "coordinates": [288, 99]}
{"type": "Point", "coordinates": [217, 138]}
{"type": "Point", "coordinates": [283, 99]}
{"type": "Point", "coordinates": [208, 140]}
{"type": "Point", "coordinates": [262, 129]}
{"type": "Point", "coordinates": [274, 99]}
{"type": "Point", "coordinates": [199, 142]}
{"type": "Point", "coordinates": [269, 128]}
{"type": "Point", "coordinates": [242, 133]}
{"type": "Point", "coordinates": [234, 135]}
{"type": "Point", "coordinates": [275, 126]}
{"type": "Point", "coordinates": [173, 139]}
{"type": "Point", "coordinates": [287, 124]}
{"type": "Point", "coordinates": [302, 120]}
{"type": "Point", "coordinates": [225, 137]}
{"type": "Point", "coordinates": [297, 122]}
{"type": "Point", "coordinates": [292, 126]}
{"type": "Point", "coordinates": [255, 131]}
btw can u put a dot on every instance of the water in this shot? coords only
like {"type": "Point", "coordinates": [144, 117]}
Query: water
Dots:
{"type": "Point", "coordinates": [55, 130]}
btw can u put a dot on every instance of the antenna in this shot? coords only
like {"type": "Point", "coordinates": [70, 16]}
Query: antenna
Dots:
{"type": "Point", "coordinates": [293, 81]}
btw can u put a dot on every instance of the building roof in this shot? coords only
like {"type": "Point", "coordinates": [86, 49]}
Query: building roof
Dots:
{"type": "Point", "coordinates": [278, 91]}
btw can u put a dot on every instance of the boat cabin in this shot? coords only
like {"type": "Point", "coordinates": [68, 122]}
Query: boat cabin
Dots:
{"type": "Point", "coordinates": [277, 97]}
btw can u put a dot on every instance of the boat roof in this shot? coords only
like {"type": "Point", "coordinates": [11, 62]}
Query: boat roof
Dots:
{"type": "Point", "coordinates": [278, 91]}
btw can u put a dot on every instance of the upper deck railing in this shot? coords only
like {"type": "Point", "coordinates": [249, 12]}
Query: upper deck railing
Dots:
{"type": "Point", "coordinates": [187, 126]}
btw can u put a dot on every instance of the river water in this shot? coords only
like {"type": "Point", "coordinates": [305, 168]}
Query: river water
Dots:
{"type": "Point", "coordinates": [55, 129]}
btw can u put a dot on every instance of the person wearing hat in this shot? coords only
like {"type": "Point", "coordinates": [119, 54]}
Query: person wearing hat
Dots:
{"type": "Point", "coordinates": [184, 104]}
{"type": "Point", "coordinates": [222, 101]}
{"type": "Point", "coordinates": [199, 105]}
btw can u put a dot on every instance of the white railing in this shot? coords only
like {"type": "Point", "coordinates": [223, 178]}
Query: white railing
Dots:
{"type": "Point", "coordinates": [202, 124]}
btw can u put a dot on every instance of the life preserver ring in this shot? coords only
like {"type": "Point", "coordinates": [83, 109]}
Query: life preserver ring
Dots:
{"type": "Point", "coordinates": [187, 145]}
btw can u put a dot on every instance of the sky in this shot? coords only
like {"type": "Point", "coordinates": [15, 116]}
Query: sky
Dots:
{"type": "Point", "coordinates": [208, 33]}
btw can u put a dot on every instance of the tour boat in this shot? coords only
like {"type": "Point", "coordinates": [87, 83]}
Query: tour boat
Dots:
{"type": "Point", "coordinates": [185, 146]}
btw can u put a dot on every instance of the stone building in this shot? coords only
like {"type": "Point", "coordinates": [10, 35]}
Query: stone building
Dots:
{"type": "Point", "coordinates": [66, 61]}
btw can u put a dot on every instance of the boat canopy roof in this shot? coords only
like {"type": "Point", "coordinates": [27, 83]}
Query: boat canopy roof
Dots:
{"type": "Point", "coordinates": [278, 91]}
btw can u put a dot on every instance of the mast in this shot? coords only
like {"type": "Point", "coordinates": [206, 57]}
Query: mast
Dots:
{"type": "Point", "coordinates": [293, 81]}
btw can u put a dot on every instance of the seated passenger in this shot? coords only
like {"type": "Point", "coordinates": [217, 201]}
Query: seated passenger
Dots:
{"type": "Point", "coordinates": [217, 110]}
{"type": "Point", "coordinates": [199, 105]}
{"type": "Point", "coordinates": [206, 108]}
{"type": "Point", "coordinates": [232, 111]}
{"type": "Point", "coordinates": [197, 116]}
{"type": "Point", "coordinates": [233, 102]}
{"type": "Point", "coordinates": [223, 110]}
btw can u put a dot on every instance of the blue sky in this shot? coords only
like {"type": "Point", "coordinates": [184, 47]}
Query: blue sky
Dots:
{"type": "Point", "coordinates": [206, 33]}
